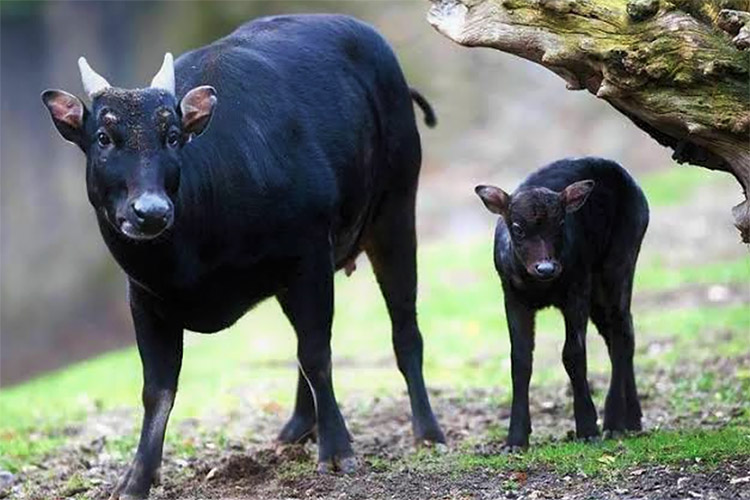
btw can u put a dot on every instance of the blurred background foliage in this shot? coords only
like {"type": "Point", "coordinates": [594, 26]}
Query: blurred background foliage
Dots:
{"type": "Point", "coordinates": [63, 297]}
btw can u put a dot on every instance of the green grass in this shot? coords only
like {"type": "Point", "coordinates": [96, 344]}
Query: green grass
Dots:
{"type": "Point", "coordinates": [461, 315]}
{"type": "Point", "coordinates": [654, 273]}
{"type": "Point", "coordinates": [676, 184]}
{"type": "Point", "coordinates": [691, 446]}
{"type": "Point", "coordinates": [703, 332]}
{"type": "Point", "coordinates": [21, 446]}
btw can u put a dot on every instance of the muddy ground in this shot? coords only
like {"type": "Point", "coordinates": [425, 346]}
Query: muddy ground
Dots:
{"type": "Point", "coordinates": [390, 465]}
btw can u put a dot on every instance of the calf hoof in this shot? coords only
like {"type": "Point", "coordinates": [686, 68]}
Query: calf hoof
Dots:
{"type": "Point", "coordinates": [613, 434]}
{"type": "Point", "coordinates": [344, 465]}
{"type": "Point", "coordinates": [620, 428]}
{"type": "Point", "coordinates": [515, 443]}
{"type": "Point", "coordinates": [517, 440]}
{"type": "Point", "coordinates": [512, 449]}
{"type": "Point", "coordinates": [588, 434]}
{"type": "Point", "coordinates": [298, 430]}
{"type": "Point", "coordinates": [634, 425]}
{"type": "Point", "coordinates": [590, 439]}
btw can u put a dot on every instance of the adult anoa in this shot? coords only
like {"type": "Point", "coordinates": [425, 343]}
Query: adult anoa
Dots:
{"type": "Point", "coordinates": [569, 237]}
{"type": "Point", "coordinates": [256, 167]}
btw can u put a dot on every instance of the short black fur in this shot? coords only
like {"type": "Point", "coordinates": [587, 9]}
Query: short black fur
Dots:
{"type": "Point", "coordinates": [311, 155]}
{"type": "Point", "coordinates": [595, 247]}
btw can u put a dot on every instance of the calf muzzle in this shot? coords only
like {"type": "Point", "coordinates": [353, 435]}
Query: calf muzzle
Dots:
{"type": "Point", "coordinates": [546, 270]}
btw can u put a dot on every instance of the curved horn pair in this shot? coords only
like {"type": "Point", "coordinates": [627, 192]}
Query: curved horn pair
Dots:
{"type": "Point", "coordinates": [94, 83]}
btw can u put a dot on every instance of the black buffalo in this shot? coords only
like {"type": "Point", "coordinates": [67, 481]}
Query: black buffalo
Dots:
{"type": "Point", "coordinates": [254, 167]}
{"type": "Point", "coordinates": [569, 237]}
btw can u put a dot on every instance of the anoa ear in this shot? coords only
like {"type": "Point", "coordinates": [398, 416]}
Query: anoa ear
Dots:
{"type": "Point", "coordinates": [67, 112]}
{"type": "Point", "coordinates": [495, 199]}
{"type": "Point", "coordinates": [197, 107]}
{"type": "Point", "coordinates": [575, 195]}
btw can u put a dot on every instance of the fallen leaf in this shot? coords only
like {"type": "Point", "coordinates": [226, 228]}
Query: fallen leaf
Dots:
{"type": "Point", "coordinates": [520, 477]}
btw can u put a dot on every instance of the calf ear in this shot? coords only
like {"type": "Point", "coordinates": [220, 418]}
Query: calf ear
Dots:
{"type": "Point", "coordinates": [197, 107]}
{"type": "Point", "coordinates": [495, 199]}
{"type": "Point", "coordinates": [67, 113]}
{"type": "Point", "coordinates": [575, 195]}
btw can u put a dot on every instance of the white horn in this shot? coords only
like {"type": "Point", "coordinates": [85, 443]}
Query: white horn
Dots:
{"type": "Point", "coordinates": [164, 79]}
{"type": "Point", "coordinates": [93, 82]}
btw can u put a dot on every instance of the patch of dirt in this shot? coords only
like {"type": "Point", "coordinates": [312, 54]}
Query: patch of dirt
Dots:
{"type": "Point", "coordinates": [474, 422]}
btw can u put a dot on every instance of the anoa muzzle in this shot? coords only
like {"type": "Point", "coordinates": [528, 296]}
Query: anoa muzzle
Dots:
{"type": "Point", "coordinates": [132, 141]}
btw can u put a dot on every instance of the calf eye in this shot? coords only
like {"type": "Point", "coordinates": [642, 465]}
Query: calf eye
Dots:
{"type": "Point", "coordinates": [103, 139]}
{"type": "Point", "coordinates": [517, 230]}
{"type": "Point", "coordinates": [173, 139]}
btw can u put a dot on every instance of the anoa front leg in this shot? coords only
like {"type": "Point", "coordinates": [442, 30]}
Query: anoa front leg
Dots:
{"type": "Point", "coordinates": [521, 329]}
{"type": "Point", "coordinates": [160, 348]}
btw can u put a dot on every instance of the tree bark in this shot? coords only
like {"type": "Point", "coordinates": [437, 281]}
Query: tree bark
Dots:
{"type": "Point", "coordinates": [679, 69]}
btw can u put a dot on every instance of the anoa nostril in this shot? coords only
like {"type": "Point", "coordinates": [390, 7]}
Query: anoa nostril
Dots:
{"type": "Point", "coordinates": [138, 210]}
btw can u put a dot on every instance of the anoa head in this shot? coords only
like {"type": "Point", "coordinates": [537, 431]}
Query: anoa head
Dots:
{"type": "Point", "coordinates": [132, 141]}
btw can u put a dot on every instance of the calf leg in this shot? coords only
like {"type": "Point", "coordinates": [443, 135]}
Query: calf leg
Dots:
{"type": "Point", "coordinates": [308, 303]}
{"type": "Point", "coordinates": [622, 410]}
{"type": "Point", "coordinates": [611, 315]}
{"type": "Point", "coordinates": [301, 426]}
{"type": "Point", "coordinates": [391, 247]}
{"type": "Point", "coordinates": [521, 328]}
{"type": "Point", "coordinates": [623, 333]}
{"type": "Point", "coordinates": [160, 348]}
{"type": "Point", "coordinates": [574, 359]}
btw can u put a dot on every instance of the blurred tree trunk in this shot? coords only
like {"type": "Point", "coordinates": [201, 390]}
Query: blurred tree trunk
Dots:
{"type": "Point", "coordinates": [679, 69]}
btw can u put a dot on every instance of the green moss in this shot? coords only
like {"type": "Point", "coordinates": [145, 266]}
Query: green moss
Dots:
{"type": "Point", "coordinates": [640, 10]}
{"type": "Point", "coordinates": [658, 71]}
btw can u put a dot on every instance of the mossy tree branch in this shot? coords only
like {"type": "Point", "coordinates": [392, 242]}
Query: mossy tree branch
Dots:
{"type": "Point", "coordinates": [679, 69]}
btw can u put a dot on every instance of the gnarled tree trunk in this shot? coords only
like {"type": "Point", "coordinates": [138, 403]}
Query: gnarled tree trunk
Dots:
{"type": "Point", "coordinates": [679, 69]}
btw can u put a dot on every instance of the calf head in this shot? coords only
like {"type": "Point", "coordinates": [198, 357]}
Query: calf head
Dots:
{"type": "Point", "coordinates": [132, 141]}
{"type": "Point", "coordinates": [535, 219]}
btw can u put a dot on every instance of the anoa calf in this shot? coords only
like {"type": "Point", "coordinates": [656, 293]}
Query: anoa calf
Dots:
{"type": "Point", "coordinates": [569, 237]}
{"type": "Point", "coordinates": [254, 167]}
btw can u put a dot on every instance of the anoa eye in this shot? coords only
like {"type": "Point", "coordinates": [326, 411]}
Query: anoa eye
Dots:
{"type": "Point", "coordinates": [103, 139]}
{"type": "Point", "coordinates": [517, 230]}
{"type": "Point", "coordinates": [173, 139]}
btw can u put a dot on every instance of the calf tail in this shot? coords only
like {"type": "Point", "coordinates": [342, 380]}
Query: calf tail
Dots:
{"type": "Point", "coordinates": [429, 114]}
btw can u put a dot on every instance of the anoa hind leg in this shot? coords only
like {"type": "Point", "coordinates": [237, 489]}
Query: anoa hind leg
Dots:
{"type": "Point", "coordinates": [391, 246]}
